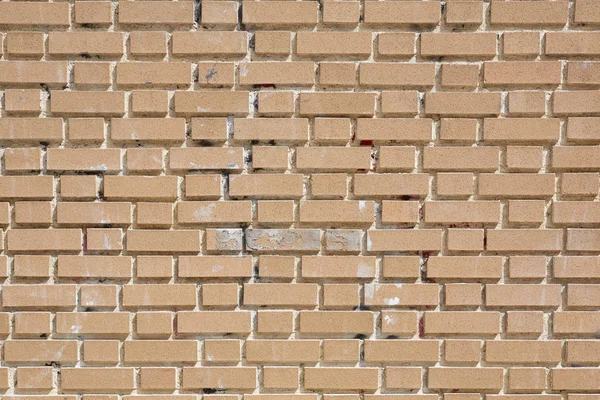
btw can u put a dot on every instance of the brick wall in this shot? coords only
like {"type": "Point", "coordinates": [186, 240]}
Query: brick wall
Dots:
{"type": "Point", "coordinates": [305, 200]}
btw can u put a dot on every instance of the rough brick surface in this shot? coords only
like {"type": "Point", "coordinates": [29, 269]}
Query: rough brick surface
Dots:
{"type": "Point", "coordinates": [305, 200]}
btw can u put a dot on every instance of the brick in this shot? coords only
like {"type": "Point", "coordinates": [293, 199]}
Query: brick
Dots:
{"type": "Point", "coordinates": [527, 379]}
{"type": "Point", "coordinates": [464, 268]}
{"type": "Point", "coordinates": [395, 158]}
{"type": "Point", "coordinates": [582, 239]}
{"type": "Point", "coordinates": [157, 188]}
{"type": "Point", "coordinates": [336, 212]}
{"type": "Point", "coordinates": [526, 103]}
{"type": "Point", "coordinates": [570, 43]}
{"type": "Point", "coordinates": [529, 13]}
{"type": "Point", "coordinates": [586, 12]}
{"type": "Point", "coordinates": [282, 351]}
{"type": "Point", "coordinates": [524, 322]}
{"type": "Point", "coordinates": [222, 351]}
{"type": "Point", "coordinates": [521, 44]}
{"type": "Point", "coordinates": [341, 13]}
{"type": "Point", "coordinates": [154, 324]}
{"type": "Point", "coordinates": [576, 379]}
{"type": "Point", "coordinates": [337, 103]}
{"type": "Point", "coordinates": [75, 266]}
{"type": "Point", "coordinates": [391, 75]}
{"type": "Point", "coordinates": [279, 14]}
{"type": "Point", "coordinates": [477, 212]}
{"type": "Point", "coordinates": [99, 296]}
{"type": "Point", "coordinates": [395, 44]}
{"type": "Point", "coordinates": [524, 158]}
{"type": "Point", "coordinates": [484, 379]}
{"type": "Point", "coordinates": [205, 158]}
{"type": "Point", "coordinates": [338, 267]}
{"type": "Point", "coordinates": [154, 267]}
{"type": "Point", "coordinates": [402, 14]}
{"type": "Point", "coordinates": [34, 379]}
{"type": "Point", "coordinates": [174, 75]}
{"type": "Point", "coordinates": [393, 352]}
{"type": "Point", "coordinates": [52, 73]}
{"type": "Point", "coordinates": [22, 101]}
{"type": "Point", "coordinates": [516, 185]}
{"type": "Point", "coordinates": [97, 379]}
{"type": "Point", "coordinates": [156, 13]}
{"type": "Point", "coordinates": [351, 379]}
{"type": "Point", "coordinates": [275, 43]}
{"type": "Point", "coordinates": [215, 44]}
{"type": "Point", "coordinates": [88, 103]}
{"type": "Point", "coordinates": [463, 323]}
{"type": "Point", "coordinates": [149, 102]}
{"type": "Point", "coordinates": [22, 160]}
{"type": "Point", "coordinates": [242, 378]}
{"type": "Point", "coordinates": [582, 352]}
{"type": "Point", "coordinates": [101, 352]}
{"type": "Point", "coordinates": [520, 296]}
{"type": "Point", "coordinates": [83, 44]}
{"type": "Point", "coordinates": [159, 295]}
{"type": "Point", "coordinates": [33, 213]}
{"type": "Point", "coordinates": [464, 13]}
{"type": "Point", "coordinates": [39, 352]}
{"type": "Point", "coordinates": [44, 241]}
{"type": "Point", "coordinates": [89, 75]}
{"type": "Point", "coordinates": [148, 44]}
{"type": "Point", "coordinates": [142, 160]}
{"type": "Point", "coordinates": [219, 14]}
{"type": "Point", "coordinates": [216, 74]}
{"type": "Point", "coordinates": [460, 76]}
{"type": "Point", "coordinates": [350, 45]}
{"type": "Point", "coordinates": [537, 130]}
{"type": "Point", "coordinates": [25, 44]}
{"type": "Point", "coordinates": [93, 12]}
{"type": "Point", "coordinates": [84, 159]}
{"type": "Point", "coordinates": [202, 103]}
{"type": "Point", "coordinates": [299, 73]}
{"type": "Point", "coordinates": [96, 324]}
{"type": "Point", "coordinates": [31, 266]}
{"type": "Point", "coordinates": [464, 45]}
{"type": "Point", "coordinates": [280, 295]}
{"type": "Point", "coordinates": [581, 157]}
{"type": "Point", "coordinates": [390, 185]}
{"type": "Point", "coordinates": [78, 187]}
{"type": "Point", "coordinates": [276, 104]}
{"type": "Point", "coordinates": [343, 240]}
{"type": "Point", "coordinates": [529, 240]}
{"type": "Point", "coordinates": [155, 215]}
{"type": "Point", "coordinates": [336, 322]}
{"type": "Point", "coordinates": [399, 103]}
{"type": "Point", "coordinates": [462, 295]}
{"type": "Point", "coordinates": [322, 158]}
{"type": "Point", "coordinates": [266, 129]}
{"type": "Point", "coordinates": [580, 296]}
{"type": "Point", "coordinates": [159, 351]}
{"type": "Point", "coordinates": [282, 240]}
{"type": "Point", "coordinates": [575, 213]}
{"type": "Point", "coordinates": [86, 129]}
{"type": "Point", "coordinates": [394, 130]}
{"type": "Point", "coordinates": [484, 158]}
{"type": "Point", "coordinates": [575, 323]}
{"type": "Point", "coordinates": [26, 187]}
{"type": "Point", "coordinates": [575, 102]}
{"type": "Point", "coordinates": [270, 157]}
{"type": "Point", "coordinates": [37, 14]}
{"type": "Point", "coordinates": [380, 240]}
{"type": "Point", "coordinates": [412, 295]}
{"type": "Point", "coordinates": [583, 74]}
{"type": "Point", "coordinates": [575, 267]}
{"type": "Point", "coordinates": [266, 185]}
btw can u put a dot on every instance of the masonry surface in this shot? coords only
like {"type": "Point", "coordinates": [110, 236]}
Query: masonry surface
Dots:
{"type": "Point", "coordinates": [304, 200]}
